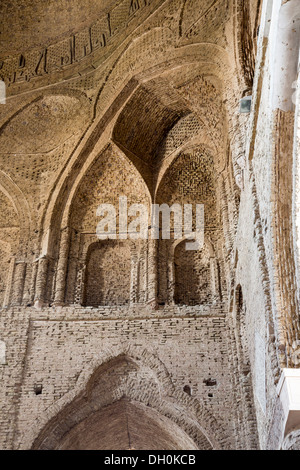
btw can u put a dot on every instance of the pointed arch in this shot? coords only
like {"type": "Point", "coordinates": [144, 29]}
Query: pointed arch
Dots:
{"type": "Point", "coordinates": [99, 133]}
{"type": "Point", "coordinates": [102, 385]}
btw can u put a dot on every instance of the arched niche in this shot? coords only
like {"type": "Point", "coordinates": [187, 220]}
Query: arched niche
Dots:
{"type": "Point", "coordinates": [201, 56]}
{"type": "Point", "coordinates": [126, 404]}
{"type": "Point", "coordinates": [107, 274]}
{"type": "Point", "coordinates": [193, 280]}
{"type": "Point", "coordinates": [189, 180]}
{"type": "Point", "coordinates": [106, 265]}
{"type": "Point", "coordinates": [206, 56]}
